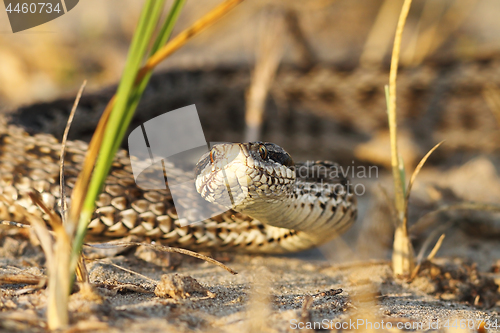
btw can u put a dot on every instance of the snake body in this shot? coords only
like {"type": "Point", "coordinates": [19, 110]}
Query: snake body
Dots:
{"type": "Point", "coordinates": [442, 99]}
{"type": "Point", "coordinates": [276, 209]}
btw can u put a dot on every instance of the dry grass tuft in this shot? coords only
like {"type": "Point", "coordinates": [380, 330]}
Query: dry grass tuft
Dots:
{"type": "Point", "coordinates": [402, 257]}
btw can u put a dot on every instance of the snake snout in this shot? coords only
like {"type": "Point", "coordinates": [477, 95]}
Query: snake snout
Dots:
{"type": "Point", "coordinates": [246, 175]}
{"type": "Point", "coordinates": [217, 178]}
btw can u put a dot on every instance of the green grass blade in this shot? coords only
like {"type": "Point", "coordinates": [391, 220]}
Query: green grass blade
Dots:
{"type": "Point", "coordinates": [161, 39]}
{"type": "Point", "coordinates": [147, 23]}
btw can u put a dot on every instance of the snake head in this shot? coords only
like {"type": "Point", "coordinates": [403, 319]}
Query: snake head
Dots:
{"type": "Point", "coordinates": [242, 176]}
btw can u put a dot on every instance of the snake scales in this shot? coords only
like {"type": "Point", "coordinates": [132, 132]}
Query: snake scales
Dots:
{"type": "Point", "coordinates": [439, 99]}
{"type": "Point", "coordinates": [273, 195]}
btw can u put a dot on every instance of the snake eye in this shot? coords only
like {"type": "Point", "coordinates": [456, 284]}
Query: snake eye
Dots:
{"type": "Point", "coordinates": [263, 152]}
{"type": "Point", "coordinates": [212, 156]}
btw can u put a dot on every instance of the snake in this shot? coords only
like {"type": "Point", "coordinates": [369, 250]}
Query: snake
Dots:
{"type": "Point", "coordinates": [275, 206]}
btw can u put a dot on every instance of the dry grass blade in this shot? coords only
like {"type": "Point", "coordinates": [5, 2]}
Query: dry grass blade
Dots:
{"type": "Point", "coordinates": [22, 320]}
{"type": "Point", "coordinates": [15, 224]}
{"type": "Point", "coordinates": [62, 188]}
{"type": "Point", "coordinates": [434, 36]}
{"type": "Point", "coordinates": [307, 56]}
{"type": "Point", "coordinates": [82, 183]}
{"type": "Point", "coordinates": [57, 257]}
{"type": "Point", "coordinates": [166, 249]}
{"type": "Point", "coordinates": [379, 37]}
{"type": "Point", "coordinates": [38, 225]}
{"type": "Point", "coordinates": [259, 303]}
{"type": "Point", "coordinates": [305, 312]}
{"type": "Point", "coordinates": [21, 279]}
{"type": "Point", "coordinates": [54, 219]}
{"type": "Point", "coordinates": [181, 39]}
{"type": "Point", "coordinates": [434, 250]}
{"type": "Point", "coordinates": [392, 108]}
{"type": "Point", "coordinates": [414, 176]}
{"type": "Point", "coordinates": [107, 262]}
{"type": "Point", "coordinates": [420, 42]}
{"type": "Point", "coordinates": [59, 281]}
{"type": "Point", "coordinates": [268, 59]}
{"type": "Point", "coordinates": [403, 259]}
{"type": "Point", "coordinates": [421, 225]}
{"type": "Point", "coordinates": [82, 273]}
{"type": "Point", "coordinates": [392, 210]}
{"type": "Point", "coordinates": [59, 275]}
{"type": "Point", "coordinates": [492, 96]}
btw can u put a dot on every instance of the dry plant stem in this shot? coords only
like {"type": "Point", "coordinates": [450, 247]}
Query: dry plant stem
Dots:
{"type": "Point", "coordinates": [38, 226]}
{"type": "Point", "coordinates": [378, 40]}
{"type": "Point", "coordinates": [268, 59]}
{"type": "Point", "coordinates": [82, 183]}
{"type": "Point", "coordinates": [305, 313]}
{"type": "Point", "coordinates": [166, 249]}
{"type": "Point", "coordinates": [421, 41]}
{"type": "Point", "coordinates": [58, 254]}
{"type": "Point", "coordinates": [54, 219]}
{"type": "Point", "coordinates": [59, 282]}
{"type": "Point", "coordinates": [413, 177]}
{"type": "Point", "coordinates": [107, 262]}
{"type": "Point", "coordinates": [59, 275]}
{"type": "Point", "coordinates": [62, 187]}
{"type": "Point", "coordinates": [392, 109]}
{"type": "Point", "coordinates": [394, 214]}
{"type": "Point", "coordinates": [15, 224]}
{"type": "Point", "coordinates": [21, 279]}
{"type": "Point", "coordinates": [81, 271]}
{"type": "Point", "coordinates": [306, 53]}
{"type": "Point", "coordinates": [432, 38]}
{"type": "Point", "coordinates": [492, 96]}
{"type": "Point", "coordinates": [434, 250]}
{"type": "Point", "coordinates": [259, 303]}
{"type": "Point", "coordinates": [419, 225]}
{"type": "Point", "coordinates": [402, 257]}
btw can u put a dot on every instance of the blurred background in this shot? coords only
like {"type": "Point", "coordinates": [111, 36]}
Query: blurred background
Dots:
{"type": "Point", "coordinates": [324, 64]}
{"type": "Point", "coordinates": [91, 41]}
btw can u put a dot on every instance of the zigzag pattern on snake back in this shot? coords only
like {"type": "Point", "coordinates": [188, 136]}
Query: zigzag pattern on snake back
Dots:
{"type": "Point", "coordinates": [123, 209]}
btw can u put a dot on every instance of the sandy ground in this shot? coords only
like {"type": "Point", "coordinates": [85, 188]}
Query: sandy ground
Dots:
{"type": "Point", "coordinates": [269, 293]}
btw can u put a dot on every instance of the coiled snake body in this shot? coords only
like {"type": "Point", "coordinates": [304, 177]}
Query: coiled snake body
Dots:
{"type": "Point", "coordinates": [275, 205]}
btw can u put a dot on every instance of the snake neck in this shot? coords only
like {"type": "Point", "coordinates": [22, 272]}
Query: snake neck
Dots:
{"type": "Point", "coordinates": [319, 210]}
{"type": "Point", "coordinates": [259, 179]}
